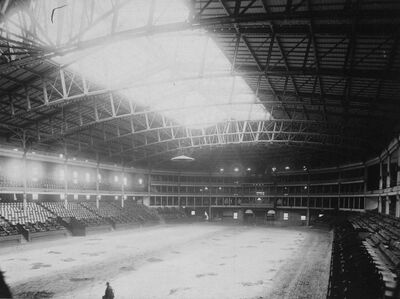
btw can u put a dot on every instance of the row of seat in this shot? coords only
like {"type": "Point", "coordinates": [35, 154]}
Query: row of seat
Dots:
{"type": "Point", "coordinates": [43, 216]}
{"type": "Point", "coordinates": [354, 273]}
{"type": "Point", "coordinates": [110, 211]}
{"type": "Point", "coordinates": [15, 213]}
{"type": "Point", "coordinates": [382, 240]}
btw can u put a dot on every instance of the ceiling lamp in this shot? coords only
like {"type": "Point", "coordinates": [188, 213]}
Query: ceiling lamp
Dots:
{"type": "Point", "coordinates": [182, 158]}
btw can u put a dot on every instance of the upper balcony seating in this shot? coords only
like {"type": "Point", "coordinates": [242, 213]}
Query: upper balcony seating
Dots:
{"type": "Point", "coordinates": [9, 182]}
{"type": "Point", "coordinates": [46, 183]}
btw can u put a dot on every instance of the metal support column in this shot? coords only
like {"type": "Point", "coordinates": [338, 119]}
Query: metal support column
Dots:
{"type": "Point", "coordinates": [308, 199]}
{"type": "Point", "coordinates": [380, 204]}
{"type": "Point", "coordinates": [24, 178]}
{"type": "Point", "coordinates": [149, 182]}
{"type": "Point", "coordinates": [97, 183]}
{"type": "Point", "coordinates": [65, 178]}
{"type": "Point", "coordinates": [398, 166]}
{"type": "Point", "coordinates": [365, 179]}
{"type": "Point", "coordinates": [398, 205]}
{"type": "Point", "coordinates": [388, 174]}
{"type": "Point", "coordinates": [380, 174]}
{"type": "Point", "coordinates": [123, 188]}
{"type": "Point", "coordinates": [387, 203]}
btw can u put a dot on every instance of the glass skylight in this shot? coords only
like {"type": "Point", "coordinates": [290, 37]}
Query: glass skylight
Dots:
{"type": "Point", "coordinates": [183, 75]}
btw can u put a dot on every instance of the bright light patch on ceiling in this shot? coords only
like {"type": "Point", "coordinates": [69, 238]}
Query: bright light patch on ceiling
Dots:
{"type": "Point", "coordinates": [184, 75]}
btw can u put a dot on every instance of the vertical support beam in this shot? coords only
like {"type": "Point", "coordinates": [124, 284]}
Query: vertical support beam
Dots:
{"type": "Point", "coordinates": [112, 104]}
{"type": "Point", "coordinates": [37, 131]}
{"type": "Point", "coordinates": [203, 57]}
{"type": "Point", "coordinates": [340, 185]}
{"type": "Point", "coordinates": [84, 84]}
{"type": "Point", "coordinates": [238, 37]}
{"type": "Point", "coordinates": [63, 85]}
{"type": "Point", "coordinates": [380, 204]}
{"type": "Point", "coordinates": [45, 95]}
{"type": "Point", "coordinates": [80, 115]}
{"type": "Point", "coordinates": [4, 7]}
{"type": "Point", "coordinates": [388, 174]}
{"type": "Point", "coordinates": [123, 187]}
{"type": "Point", "coordinates": [28, 99]}
{"type": "Point", "coordinates": [365, 178]}
{"type": "Point", "coordinates": [65, 182]}
{"type": "Point", "coordinates": [24, 178]}
{"type": "Point", "coordinates": [151, 13]}
{"type": "Point", "coordinates": [398, 166]}
{"type": "Point", "coordinates": [380, 174]}
{"type": "Point", "coordinates": [308, 199]}
{"type": "Point", "coordinates": [398, 205]}
{"type": "Point", "coordinates": [97, 181]}
{"type": "Point", "coordinates": [96, 112]}
{"type": "Point", "coordinates": [387, 202]}
{"type": "Point", "coordinates": [149, 182]}
{"type": "Point", "coordinates": [12, 107]}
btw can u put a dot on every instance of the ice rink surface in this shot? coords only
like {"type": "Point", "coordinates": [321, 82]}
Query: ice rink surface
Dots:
{"type": "Point", "coordinates": [200, 260]}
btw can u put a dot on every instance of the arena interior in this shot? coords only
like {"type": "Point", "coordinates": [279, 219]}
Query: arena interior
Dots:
{"type": "Point", "coordinates": [200, 149]}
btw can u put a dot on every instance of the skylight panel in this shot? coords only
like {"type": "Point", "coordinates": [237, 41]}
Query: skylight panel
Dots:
{"type": "Point", "coordinates": [183, 75]}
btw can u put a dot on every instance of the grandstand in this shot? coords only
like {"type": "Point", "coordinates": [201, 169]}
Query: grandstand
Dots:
{"type": "Point", "coordinates": [200, 148]}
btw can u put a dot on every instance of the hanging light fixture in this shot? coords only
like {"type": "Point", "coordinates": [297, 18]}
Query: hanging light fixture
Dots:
{"type": "Point", "coordinates": [182, 158]}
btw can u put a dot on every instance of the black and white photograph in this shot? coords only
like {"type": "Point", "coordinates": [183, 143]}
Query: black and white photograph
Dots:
{"type": "Point", "coordinates": [200, 149]}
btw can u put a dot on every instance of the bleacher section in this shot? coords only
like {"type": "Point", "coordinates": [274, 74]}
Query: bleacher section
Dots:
{"type": "Point", "coordinates": [372, 239]}
{"type": "Point", "coordinates": [110, 211]}
{"type": "Point", "coordinates": [32, 222]}
{"type": "Point", "coordinates": [14, 213]}
{"type": "Point", "coordinates": [42, 218]}
{"type": "Point", "coordinates": [353, 271]}
{"type": "Point", "coordinates": [75, 210]}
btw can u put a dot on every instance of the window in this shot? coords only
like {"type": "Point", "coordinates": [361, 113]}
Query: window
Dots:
{"type": "Point", "coordinates": [285, 216]}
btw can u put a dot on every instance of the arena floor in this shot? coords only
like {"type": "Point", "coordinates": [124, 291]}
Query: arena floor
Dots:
{"type": "Point", "coordinates": [199, 260]}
